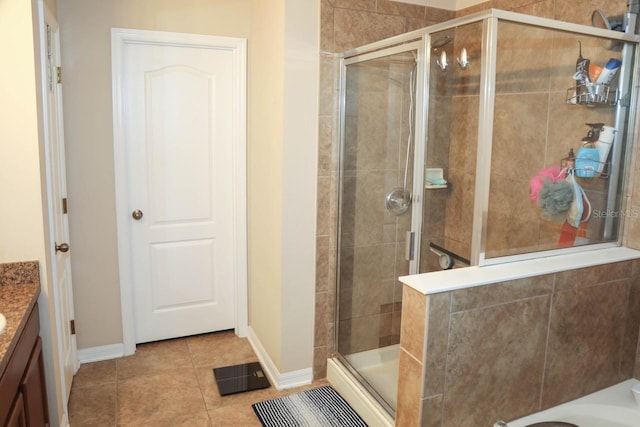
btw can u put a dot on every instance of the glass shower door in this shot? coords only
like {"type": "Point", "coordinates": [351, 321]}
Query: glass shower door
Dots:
{"type": "Point", "coordinates": [375, 207]}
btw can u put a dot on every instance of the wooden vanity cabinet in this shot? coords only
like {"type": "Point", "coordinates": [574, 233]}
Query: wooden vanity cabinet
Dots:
{"type": "Point", "coordinates": [23, 397]}
{"type": "Point", "coordinates": [34, 393]}
{"type": "Point", "coordinates": [17, 418]}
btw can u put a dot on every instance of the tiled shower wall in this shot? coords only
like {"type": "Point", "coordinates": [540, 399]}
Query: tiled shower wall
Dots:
{"type": "Point", "coordinates": [349, 23]}
{"type": "Point", "coordinates": [505, 350]}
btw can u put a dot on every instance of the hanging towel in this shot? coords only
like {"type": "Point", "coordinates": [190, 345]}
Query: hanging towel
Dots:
{"type": "Point", "coordinates": [569, 234]}
{"type": "Point", "coordinates": [580, 209]}
{"type": "Point", "coordinates": [554, 174]}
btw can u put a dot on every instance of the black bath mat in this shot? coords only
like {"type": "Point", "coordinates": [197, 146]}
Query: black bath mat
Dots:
{"type": "Point", "coordinates": [240, 378]}
{"type": "Point", "coordinates": [318, 407]}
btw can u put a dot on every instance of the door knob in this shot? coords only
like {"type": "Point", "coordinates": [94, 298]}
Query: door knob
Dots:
{"type": "Point", "coordinates": [62, 247]}
{"type": "Point", "coordinates": [137, 214]}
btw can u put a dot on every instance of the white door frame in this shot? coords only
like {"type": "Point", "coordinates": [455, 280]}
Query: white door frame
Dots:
{"type": "Point", "coordinates": [119, 39]}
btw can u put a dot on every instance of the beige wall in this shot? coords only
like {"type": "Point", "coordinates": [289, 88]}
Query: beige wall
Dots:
{"type": "Point", "coordinates": [282, 40]}
{"type": "Point", "coordinates": [23, 214]}
{"type": "Point", "coordinates": [86, 53]}
{"type": "Point", "coordinates": [300, 159]}
{"type": "Point", "coordinates": [282, 164]}
{"type": "Point", "coordinates": [21, 226]}
{"type": "Point", "coordinates": [266, 83]}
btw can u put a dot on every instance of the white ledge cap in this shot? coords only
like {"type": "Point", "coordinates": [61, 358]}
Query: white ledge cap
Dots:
{"type": "Point", "coordinates": [468, 277]}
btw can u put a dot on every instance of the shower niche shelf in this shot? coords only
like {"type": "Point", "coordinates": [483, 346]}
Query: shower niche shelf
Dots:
{"type": "Point", "coordinates": [435, 186]}
{"type": "Point", "coordinates": [434, 179]}
{"type": "Point", "coordinates": [592, 95]}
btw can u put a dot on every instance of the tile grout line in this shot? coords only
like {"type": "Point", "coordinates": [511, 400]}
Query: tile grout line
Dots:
{"type": "Point", "coordinates": [546, 346]}
{"type": "Point", "coordinates": [500, 304]}
{"type": "Point", "coordinates": [201, 387]}
{"type": "Point", "coordinates": [446, 359]}
{"type": "Point", "coordinates": [623, 337]}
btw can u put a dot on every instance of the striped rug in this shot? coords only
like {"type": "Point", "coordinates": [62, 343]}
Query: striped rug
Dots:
{"type": "Point", "coordinates": [318, 407]}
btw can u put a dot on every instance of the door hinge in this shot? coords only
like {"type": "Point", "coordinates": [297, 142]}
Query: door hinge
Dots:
{"type": "Point", "coordinates": [72, 324]}
{"type": "Point", "coordinates": [59, 71]}
{"type": "Point", "coordinates": [65, 208]}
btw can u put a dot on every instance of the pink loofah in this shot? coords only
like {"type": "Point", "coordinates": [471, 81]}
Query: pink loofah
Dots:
{"type": "Point", "coordinates": [554, 173]}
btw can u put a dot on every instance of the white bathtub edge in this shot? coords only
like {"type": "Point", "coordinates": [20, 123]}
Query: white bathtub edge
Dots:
{"type": "Point", "coordinates": [370, 410]}
{"type": "Point", "coordinates": [602, 405]}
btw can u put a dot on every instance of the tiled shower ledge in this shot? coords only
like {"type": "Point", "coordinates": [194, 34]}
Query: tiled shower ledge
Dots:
{"type": "Point", "coordinates": [460, 278]}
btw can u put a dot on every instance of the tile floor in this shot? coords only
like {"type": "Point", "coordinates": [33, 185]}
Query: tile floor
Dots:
{"type": "Point", "coordinates": [168, 383]}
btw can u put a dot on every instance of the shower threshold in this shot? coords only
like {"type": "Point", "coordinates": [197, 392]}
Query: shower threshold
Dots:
{"type": "Point", "coordinates": [357, 395]}
{"type": "Point", "coordinates": [379, 367]}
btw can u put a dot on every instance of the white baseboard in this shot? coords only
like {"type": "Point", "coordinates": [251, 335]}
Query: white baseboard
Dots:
{"type": "Point", "coordinates": [267, 364]}
{"type": "Point", "coordinates": [278, 380]}
{"type": "Point", "coordinates": [97, 354]}
{"type": "Point", "coordinates": [296, 378]}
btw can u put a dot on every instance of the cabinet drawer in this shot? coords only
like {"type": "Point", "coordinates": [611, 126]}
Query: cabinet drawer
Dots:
{"type": "Point", "coordinates": [12, 377]}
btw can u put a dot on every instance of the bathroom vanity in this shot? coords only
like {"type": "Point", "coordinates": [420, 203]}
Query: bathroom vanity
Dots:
{"type": "Point", "coordinates": [23, 400]}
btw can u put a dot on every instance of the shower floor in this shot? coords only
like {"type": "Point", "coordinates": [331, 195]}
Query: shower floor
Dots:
{"type": "Point", "coordinates": [379, 367]}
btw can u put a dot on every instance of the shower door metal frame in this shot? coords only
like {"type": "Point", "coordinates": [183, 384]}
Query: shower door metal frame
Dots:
{"type": "Point", "coordinates": [420, 150]}
{"type": "Point", "coordinates": [628, 131]}
{"type": "Point", "coordinates": [485, 138]}
{"type": "Point", "coordinates": [419, 135]}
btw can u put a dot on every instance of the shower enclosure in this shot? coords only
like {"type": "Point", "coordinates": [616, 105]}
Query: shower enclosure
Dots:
{"type": "Point", "coordinates": [442, 131]}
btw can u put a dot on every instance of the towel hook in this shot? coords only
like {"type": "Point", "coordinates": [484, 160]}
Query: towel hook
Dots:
{"type": "Point", "coordinates": [442, 62]}
{"type": "Point", "coordinates": [463, 60]}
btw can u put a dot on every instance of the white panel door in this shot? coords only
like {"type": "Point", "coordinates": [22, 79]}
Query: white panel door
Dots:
{"type": "Point", "coordinates": [178, 130]}
{"type": "Point", "coordinates": [57, 199]}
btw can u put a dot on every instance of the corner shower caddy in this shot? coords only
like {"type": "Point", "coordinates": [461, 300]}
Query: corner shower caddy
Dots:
{"type": "Point", "coordinates": [592, 95]}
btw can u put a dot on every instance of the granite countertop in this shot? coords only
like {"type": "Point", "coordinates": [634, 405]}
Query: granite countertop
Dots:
{"type": "Point", "coordinates": [19, 290]}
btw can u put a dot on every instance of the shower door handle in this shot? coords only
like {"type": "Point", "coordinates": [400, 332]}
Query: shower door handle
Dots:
{"type": "Point", "coordinates": [409, 244]}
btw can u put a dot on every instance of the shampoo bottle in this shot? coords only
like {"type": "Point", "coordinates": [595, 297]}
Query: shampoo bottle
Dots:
{"type": "Point", "coordinates": [587, 161]}
{"type": "Point", "coordinates": [609, 71]}
{"type": "Point", "coordinates": [603, 145]}
{"type": "Point", "coordinates": [588, 158]}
